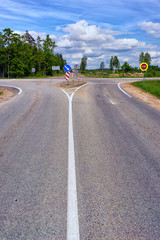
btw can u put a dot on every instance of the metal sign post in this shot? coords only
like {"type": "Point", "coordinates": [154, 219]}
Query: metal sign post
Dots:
{"type": "Point", "coordinates": [56, 68]}
{"type": "Point", "coordinates": [33, 70]}
{"type": "Point", "coordinates": [67, 76]}
{"type": "Point", "coordinates": [67, 69]}
{"type": "Point", "coordinates": [76, 68]}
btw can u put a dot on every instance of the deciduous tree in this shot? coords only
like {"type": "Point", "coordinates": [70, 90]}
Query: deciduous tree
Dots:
{"type": "Point", "coordinates": [126, 67]}
{"type": "Point", "coordinates": [145, 57]}
{"type": "Point", "coordinates": [114, 63]}
{"type": "Point", "coordinates": [83, 63]}
{"type": "Point", "coordinates": [19, 54]}
{"type": "Point", "coordinates": [111, 63]}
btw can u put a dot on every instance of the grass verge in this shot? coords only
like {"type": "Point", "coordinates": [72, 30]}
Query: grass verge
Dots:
{"type": "Point", "coordinates": [153, 87]}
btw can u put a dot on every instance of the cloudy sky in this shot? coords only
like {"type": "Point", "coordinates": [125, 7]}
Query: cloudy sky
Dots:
{"type": "Point", "coordinates": [97, 29]}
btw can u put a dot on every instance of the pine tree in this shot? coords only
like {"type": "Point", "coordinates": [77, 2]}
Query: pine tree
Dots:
{"type": "Point", "coordinates": [102, 66]}
{"type": "Point", "coordinates": [28, 38]}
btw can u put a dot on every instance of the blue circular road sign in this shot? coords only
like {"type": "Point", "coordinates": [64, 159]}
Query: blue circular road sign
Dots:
{"type": "Point", "coordinates": [67, 68]}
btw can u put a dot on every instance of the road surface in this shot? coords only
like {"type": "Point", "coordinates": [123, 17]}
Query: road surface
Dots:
{"type": "Point", "coordinates": [117, 163]}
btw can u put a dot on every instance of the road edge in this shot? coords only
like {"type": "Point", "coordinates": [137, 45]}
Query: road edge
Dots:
{"type": "Point", "coordinates": [141, 95]}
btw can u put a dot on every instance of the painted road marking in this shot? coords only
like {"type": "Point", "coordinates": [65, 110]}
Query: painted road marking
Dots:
{"type": "Point", "coordinates": [111, 101]}
{"type": "Point", "coordinates": [19, 89]}
{"type": "Point", "coordinates": [72, 205]}
{"type": "Point", "coordinates": [123, 90]}
{"type": "Point", "coordinates": [106, 83]}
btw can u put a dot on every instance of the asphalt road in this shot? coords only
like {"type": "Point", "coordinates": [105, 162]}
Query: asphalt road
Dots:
{"type": "Point", "coordinates": [117, 158]}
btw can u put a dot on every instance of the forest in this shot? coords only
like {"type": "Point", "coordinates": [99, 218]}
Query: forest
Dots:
{"type": "Point", "coordinates": [19, 54]}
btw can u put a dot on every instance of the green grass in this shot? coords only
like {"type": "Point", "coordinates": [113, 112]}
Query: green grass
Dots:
{"type": "Point", "coordinates": [1, 93]}
{"type": "Point", "coordinates": [152, 87]}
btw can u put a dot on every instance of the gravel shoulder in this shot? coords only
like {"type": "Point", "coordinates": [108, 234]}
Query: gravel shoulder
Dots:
{"type": "Point", "coordinates": [72, 84]}
{"type": "Point", "coordinates": [8, 93]}
{"type": "Point", "coordinates": [142, 95]}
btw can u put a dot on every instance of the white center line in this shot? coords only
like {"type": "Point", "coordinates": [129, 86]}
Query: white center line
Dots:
{"type": "Point", "coordinates": [72, 206]}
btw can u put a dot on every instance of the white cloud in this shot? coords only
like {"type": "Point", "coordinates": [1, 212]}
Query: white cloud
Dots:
{"type": "Point", "coordinates": [98, 44]}
{"type": "Point", "coordinates": [65, 42]}
{"type": "Point", "coordinates": [151, 28]}
{"type": "Point", "coordinates": [58, 28]}
{"type": "Point", "coordinates": [81, 31]}
{"type": "Point", "coordinates": [53, 37]}
{"type": "Point", "coordinates": [155, 54]}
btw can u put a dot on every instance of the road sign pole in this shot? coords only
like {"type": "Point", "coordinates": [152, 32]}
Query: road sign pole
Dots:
{"type": "Point", "coordinates": [67, 76]}
{"type": "Point", "coordinates": [33, 70]}
{"type": "Point", "coordinates": [143, 66]}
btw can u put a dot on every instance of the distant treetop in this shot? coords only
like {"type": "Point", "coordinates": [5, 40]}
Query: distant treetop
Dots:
{"type": "Point", "coordinates": [28, 38]}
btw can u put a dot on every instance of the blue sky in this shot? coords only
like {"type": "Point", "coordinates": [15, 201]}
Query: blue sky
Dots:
{"type": "Point", "coordinates": [98, 29]}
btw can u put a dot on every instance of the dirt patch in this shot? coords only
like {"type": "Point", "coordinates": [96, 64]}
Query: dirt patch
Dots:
{"type": "Point", "coordinates": [136, 74]}
{"type": "Point", "coordinates": [8, 93]}
{"type": "Point", "coordinates": [114, 75]}
{"type": "Point", "coordinates": [142, 95]}
{"type": "Point", "coordinates": [99, 73]}
{"type": "Point", "coordinates": [72, 84]}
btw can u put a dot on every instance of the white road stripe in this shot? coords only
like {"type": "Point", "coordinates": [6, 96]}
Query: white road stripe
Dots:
{"type": "Point", "coordinates": [111, 101]}
{"type": "Point", "coordinates": [123, 90]}
{"type": "Point", "coordinates": [72, 206]}
{"type": "Point", "coordinates": [19, 89]}
{"type": "Point", "coordinates": [103, 83]}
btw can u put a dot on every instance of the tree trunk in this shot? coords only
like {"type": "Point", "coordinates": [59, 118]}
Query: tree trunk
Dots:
{"type": "Point", "coordinates": [3, 72]}
{"type": "Point", "coordinates": [39, 64]}
{"type": "Point", "coordinates": [8, 65]}
{"type": "Point", "coordinates": [45, 67]}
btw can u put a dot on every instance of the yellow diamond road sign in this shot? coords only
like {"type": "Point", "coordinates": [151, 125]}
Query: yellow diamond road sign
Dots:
{"type": "Point", "coordinates": [143, 66]}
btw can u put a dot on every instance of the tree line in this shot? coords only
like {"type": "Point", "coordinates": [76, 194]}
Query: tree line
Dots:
{"type": "Point", "coordinates": [115, 63]}
{"type": "Point", "coordinates": [20, 53]}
